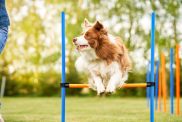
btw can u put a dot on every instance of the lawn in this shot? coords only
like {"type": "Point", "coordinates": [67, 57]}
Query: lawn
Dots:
{"type": "Point", "coordinates": [81, 109]}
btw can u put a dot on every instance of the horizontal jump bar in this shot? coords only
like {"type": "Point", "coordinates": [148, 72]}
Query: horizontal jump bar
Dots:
{"type": "Point", "coordinates": [140, 85]}
{"type": "Point", "coordinates": [131, 85]}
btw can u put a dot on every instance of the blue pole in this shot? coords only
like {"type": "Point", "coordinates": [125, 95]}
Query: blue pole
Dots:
{"type": "Point", "coordinates": [63, 90]}
{"type": "Point", "coordinates": [148, 80]}
{"type": "Point", "coordinates": [152, 66]}
{"type": "Point", "coordinates": [156, 84]}
{"type": "Point", "coordinates": [171, 81]}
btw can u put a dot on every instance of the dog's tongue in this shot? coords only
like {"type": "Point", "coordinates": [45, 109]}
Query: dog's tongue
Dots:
{"type": "Point", "coordinates": [81, 47]}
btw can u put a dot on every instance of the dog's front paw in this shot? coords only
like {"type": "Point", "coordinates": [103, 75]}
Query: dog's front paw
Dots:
{"type": "Point", "coordinates": [110, 89]}
{"type": "Point", "coordinates": [100, 90]}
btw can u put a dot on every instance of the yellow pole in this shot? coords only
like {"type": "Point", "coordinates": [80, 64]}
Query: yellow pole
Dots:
{"type": "Point", "coordinates": [164, 82]}
{"type": "Point", "coordinates": [177, 81]}
{"type": "Point", "coordinates": [132, 85]}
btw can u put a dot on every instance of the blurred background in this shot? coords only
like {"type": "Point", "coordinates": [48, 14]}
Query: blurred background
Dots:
{"type": "Point", "coordinates": [31, 59]}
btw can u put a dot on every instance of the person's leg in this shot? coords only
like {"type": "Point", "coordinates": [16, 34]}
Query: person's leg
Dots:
{"type": "Point", "coordinates": [1, 119]}
{"type": "Point", "coordinates": [3, 37]}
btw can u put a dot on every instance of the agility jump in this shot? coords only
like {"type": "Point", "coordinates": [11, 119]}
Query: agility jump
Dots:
{"type": "Point", "coordinates": [133, 85]}
{"type": "Point", "coordinates": [149, 85]}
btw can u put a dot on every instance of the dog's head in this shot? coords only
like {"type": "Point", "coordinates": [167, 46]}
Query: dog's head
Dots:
{"type": "Point", "coordinates": [95, 37]}
{"type": "Point", "coordinates": [91, 37]}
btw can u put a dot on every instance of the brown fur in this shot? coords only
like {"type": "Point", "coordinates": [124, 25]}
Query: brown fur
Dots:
{"type": "Point", "coordinates": [98, 39]}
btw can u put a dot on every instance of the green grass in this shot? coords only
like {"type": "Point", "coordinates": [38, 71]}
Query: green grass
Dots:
{"type": "Point", "coordinates": [92, 109]}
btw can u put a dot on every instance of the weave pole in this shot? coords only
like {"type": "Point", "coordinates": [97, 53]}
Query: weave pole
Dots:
{"type": "Point", "coordinates": [177, 81]}
{"type": "Point", "coordinates": [156, 84]}
{"type": "Point", "coordinates": [63, 89]}
{"type": "Point", "coordinates": [159, 90]}
{"type": "Point", "coordinates": [148, 80]}
{"type": "Point", "coordinates": [164, 87]}
{"type": "Point", "coordinates": [152, 66]}
{"type": "Point", "coordinates": [171, 82]}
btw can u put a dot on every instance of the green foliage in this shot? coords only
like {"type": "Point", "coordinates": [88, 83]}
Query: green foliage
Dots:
{"type": "Point", "coordinates": [25, 85]}
{"type": "Point", "coordinates": [16, 86]}
{"type": "Point", "coordinates": [51, 58]}
{"type": "Point", "coordinates": [49, 85]}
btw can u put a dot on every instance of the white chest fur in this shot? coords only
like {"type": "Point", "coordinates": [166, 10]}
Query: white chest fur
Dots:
{"type": "Point", "coordinates": [91, 63]}
{"type": "Point", "coordinates": [103, 77]}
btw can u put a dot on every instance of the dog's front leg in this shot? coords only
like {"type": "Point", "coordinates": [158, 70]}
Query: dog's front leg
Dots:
{"type": "Point", "coordinates": [99, 85]}
{"type": "Point", "coordinates": [92, 84]}
{"type": "Point", "coordinates": [114, 82]}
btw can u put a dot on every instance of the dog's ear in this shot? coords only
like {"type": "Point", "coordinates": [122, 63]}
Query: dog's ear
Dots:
{"type": "Point", "coordinates": [86, 23]}
{"type": "Point", "coordinates": [98, 26]}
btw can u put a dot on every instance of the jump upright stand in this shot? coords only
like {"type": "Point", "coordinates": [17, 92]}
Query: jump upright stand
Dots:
{"type": "Point", "coordinates": [63, 89]}
{"type": "Point", "coordinates": [152, 66]}
{"type": "Point", "coordinates": [150, 84]}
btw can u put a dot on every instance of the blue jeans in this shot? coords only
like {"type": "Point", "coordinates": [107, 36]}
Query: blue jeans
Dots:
{"type": "Point", "coordinates": [3, 37]}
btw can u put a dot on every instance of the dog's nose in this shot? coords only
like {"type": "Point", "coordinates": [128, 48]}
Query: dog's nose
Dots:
{"type": "Point", "coordinates": [74, 40]}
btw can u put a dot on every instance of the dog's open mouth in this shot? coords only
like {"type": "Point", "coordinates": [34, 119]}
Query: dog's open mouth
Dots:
{"type": "Point", "coordinates": [80, 47]}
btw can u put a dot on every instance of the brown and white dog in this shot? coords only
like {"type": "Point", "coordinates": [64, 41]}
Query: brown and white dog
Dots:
{"type": "Point", "coordinates": [104, 56]}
